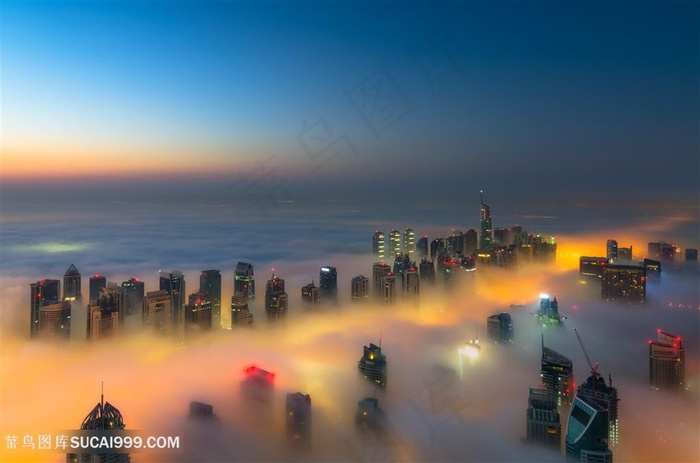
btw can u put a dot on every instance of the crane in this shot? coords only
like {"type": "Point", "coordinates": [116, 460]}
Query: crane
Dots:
{"type": "Point", "coordinates": [594, 369]}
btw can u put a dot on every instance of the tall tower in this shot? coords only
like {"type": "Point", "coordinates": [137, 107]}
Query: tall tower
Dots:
{"type": "Point", "coordinates": [275, 298]}
{"type": "Point", "coordinates": [543, 422]}
{"type": "Point", "coordinates": [359, 288]}
{"type": "Point", "coordinates": [624, 282]}
{"type": "Point", "coordinates": [410, 285]}
{"type": "Point", "coordinates": [486, 238]}
{"type": "Point", "coordinates": [557, 374]}
{"type": "Point", "coordinates": [409, 241]}
{"type": "Point", "coordinates": [422, 247]}
{"type": "Point", "coordinates": [595, 389]}
{"type": "Point", "coordinates": [244, 279]}
{"type": "Point", "coordinates": [158, 311]}
{"type": "Point", "coordinates": [667, 362]}
{"type": "Point", "coordinates": [134, 292]}
{"type": "Point", "coordinates": [388, 288]}
{"type": "Point", "coordinates": [43, 292]}
{"type": "Point", "coordinates": [394, 243]}
{"type": "Point", "coordinates": [97, 282]}
{"type": "Point", "coordinates": [310, 294]}
{"type": "Point", "coordinates": [328, 282]}
{"type": "Point", "coordinates": [427, 271]}
{"type": "Point", "coordinates": [586, 432]}
{"type": "Point", "coordinates": [72, 284]}
{"type": "Point", "coordinates": [372, 364]}
{"type": "Point", "coordinates": [378, 244]}
{"type": "Point", "coordinates": [611, 248]}
{"type": "Point", "coordinates": [240, 314]}
{"type": "Point", "coordinates": [105, 315]}
{"type": "Point", "coordinates": [173, 283]}
{"type": "Point", "coordinates": [210, 284]}
{"type": "Point", "coordinates": [379, 269]}
{"type": "Point", "coordinates": [198, 312]}
{"type": "Point", "coordinates": [54, 321]}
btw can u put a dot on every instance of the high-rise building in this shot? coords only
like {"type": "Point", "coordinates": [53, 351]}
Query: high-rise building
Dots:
{"type": "Point", "coordinates": [54, 321]}
{"type": "Point", "coordinates": [387, 288]}
{"type": "Point", "coordinates": [368, 414]}
{"type": "Point", "coordinates": [134, 292]}
{"type": "Point", "coordinates": [158, 311]}
{"type": "Point", "coordinates": [409, 241]}
{"type": "Point", "coordinates": [210, 283]}
{"type": "Point", "coordinates": [103, 417]}
{"type": "Point", "coordinates": [244, 279]}
{"type": "Point", "coordinates": [105, 315]}
{"type": "Point", "coordinates": [557, 374]}
{"type": "Point", "coordinates": [173, 283]}
{"type": "Point", "coordinates": [43, 292]}
{"type": "Point", "coordinates": [379, 269]}
{"type": "Point", "coordinates": [410, 284]}
{"type": "Point", "coordinates": [592, 266]}
{"type": "Point", "coordinates": [611, 250]}
{"type": "Point", "coordinates": [455, 243]}
{"type": "Point", "coordinates": [624, 255]}
{"type": "Point", "coordinates": [503, 236]}
{"type": "Point", "coordinates": [624, 282]}
{"type": "Point", "coordinates": [372, 365]}
{"type": "Point", "coordinates": [359, 288]}
{"type": "Point", "coordinates": [586, 432]}
{"type": "Point", "coordinates": [275, 298]}
{"type": "Point", "coordinates": [470, 242]}
{"type": "Point", "coordinates": [240, 313]}
{"type": "Point", "coordinates": [422, 247]}
{"type": "Point", "coordinates": [426, 269]}
{"type": "Point", "coordinates": [394, 243]}
{"type": "Point", "coordinates": [667, 362]}
{"type": "Point", "coordinates": [310, 294]}
{"type": "Point", "coordinates": [543, 422]}
{"type": "Point", "coordinates": [198, 312]}
{"type": "Point", "coordinates": [652, 270]}
{"type": "Point", "coordinates": [401, 262]}
{"type": "Point", "coordinates": [72, 284]}
{"type": "Point", "coordinates": [378, 244]}
{"type": "Point", "coordinates": [499, 328]}
{"type": "Point", "coordinates": [328, 283]}
{"type": "Point", "coordinates": [486, 237]}
{"type": "Point", "coordinates": [595, 389]}
{"type": "Point", "coordinates": [437, 248]}
{"type": "Point", "coordinates": [298, 416]}
{"type": "Point", "coordinates": [663, 251]}
{"type": "Point", "coordinates": [97, 282]}
{"type": "Point", "coordinates": [200, 410]}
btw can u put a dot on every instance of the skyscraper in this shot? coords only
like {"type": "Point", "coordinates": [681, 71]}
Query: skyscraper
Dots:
{"type": "Point", "coordinates": [409, 241]}
{"type": "Point", "coordinates": [379, 269]}
{"type": "Point", "coordinates": [611, 250]}
{"type": "Point", "coordinates": [394, 243]}
{"type": "Point", "coordinates": [543, 422]}
{"type": "Point", "coordinates": [410, 284]}
{"type": "Point", "coordinates": [592, 266]}
{"type": "Point", "coordinates": [275, 298]}
{"type": "Point", "coordinates": [426, 270]}
{"type": "Point", "coordinates": [595, 389]}
{"type": "Point", "coordinates": [387, 288]}
{"type": "Point", "coordinates": [240, 313]}
{"type": "Point", "coordinates": [103, 417]}
{"type": "Point", "coordinates": [499, 328]}
{"type": "Point", "coordinates": [486, 237]}
{"type": "Point", "coordinates": [667, 362]}
{"type": "Point", "coordinates": [310, 294]}
{"type": "Point", "coordinates": [624, 282]}
{"type": "Point", "coordinates": [455, 243]}
{"type": "Point", "coordinates": [298, 416]}
{"type": "Point", "coordinates": [422, 247]}
{"type": "Point", "coordinates": [173, 283]}
{"type": "Point", "coordinates": [244, 279]}
{"type": "Point", "coordinates": [359, 288]}
{"type": "Point", "coordinates": [437, 248]}
{"type": "Point", "coordinates": [105, 315]}
{"type": "Point", "coordinates": [378, 244]}
{"type": "Point", "coordinates": [557, 374]}
{"type": "Point", "coordinates": [210, 284]}
{"type": "Point", "coordinates": [54, 321]}
{"type": "Point", "coordinates": [328, 283]}
{"type": "Point", "coordinates": [470, 242]}
{"type": "Point", "coordinates": [72, 284]}
{"type": "Point", "coordinates": [401, 263]}
{"type": "Point", "coordinates": [372, 365]}
{"type": "Point", "coordinates": [97, 282]}
{"type": "Point", "coordinates": [43, 292]}
{"type": "Point", "coordinates": [158, 312]}
{"type": "Point", "coordinates": [586, 432]}
{"type": "Point", "coordinates": [134, 292]}
{"type": "Point", "coordinates": [198, 312]}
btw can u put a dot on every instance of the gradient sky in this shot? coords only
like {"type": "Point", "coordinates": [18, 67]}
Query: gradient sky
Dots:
{"type": "Point", "coordinates": [539, 95]}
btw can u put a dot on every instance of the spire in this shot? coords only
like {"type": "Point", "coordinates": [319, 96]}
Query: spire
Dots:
{"type": "Point", "coordinates": [481, 196]}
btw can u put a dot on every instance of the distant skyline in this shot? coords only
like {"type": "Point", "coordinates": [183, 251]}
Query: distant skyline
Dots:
{"type": "Point", "coordinates": [558, 98]}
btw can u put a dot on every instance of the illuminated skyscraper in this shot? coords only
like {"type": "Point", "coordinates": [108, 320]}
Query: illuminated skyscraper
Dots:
{"type": "Point", "coordinates": [310, 294]}
{"type": "Point", "coordinates": [388, 288]}
{"type": "Point", "coordinates": [275, 298]}
{"type": "Point", "coordinates": [557, 374]}
{"type": "Point", "coordinates": [378, 244]}
{"type": "Point", "coordinates": [359, 288]}
{"type": "Point", "coordinates": [426, 270]}
{"type": "Point", "coordinates": [97, 282]}
{"type": "Point", "coordinates": [611, 253]}
{"type": "Point", "coordinates": [158, 312]}
{"type": "Point", "coordinates": [372, 365]}
{"type": "Point", "coordinates": [104, 417]}
{"type": "Point", "coordinates": [486, 238]}
{"type": "Point", "coordinates": [244, 279]}
{"type": "Point", "coordinates": [105, 315]}
{"type": "Point", "coordinates": [210, 284]}
{"type": "Point", "coordinates": [586, 432]}
{"type": "Point", "coordinates": [543, 422]}
{"type": "Point", "coordinates": [652, 270]}
{"type": "Point", "coordinates": [54, 321]}
{"type": "Point", "coordinates": [409, 241]}
{"type": "Point", "coordinates": [198, 312]}
{"type": "Point", "coordinates": [72, 284]}
{"type": "Point", "coordinates": [667, 362]}
{"type": "Point", "coordinates": [379, 269]}
{"type": "Point", "coordinates": [328, 283]}
{"type": "Point", "coordinates": [134, 292]}
{"type": "Point", "coordinates": [624, 282]}
{"type": "Point", "coordinates": [174, 284]}
{"type": "Point", "coordinates": [595, 389]}
{"type": "Point", "coordinates": [422, 247]}
{"type": "Point", "coordinates": [410, 285]}
{"type": "Point", "coordinates": [394, 243]}
{"type": "Point", "coordinates": [44, 292]}
{"type": "Point", "coordinates": [592, 266]}
{"type": "Point", "coordinates": [240, 314]}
